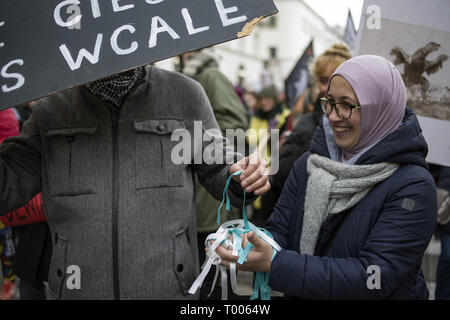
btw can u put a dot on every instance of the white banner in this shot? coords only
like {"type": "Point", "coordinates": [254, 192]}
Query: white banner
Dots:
{"type": "Point", "coordinates": [415, 36]}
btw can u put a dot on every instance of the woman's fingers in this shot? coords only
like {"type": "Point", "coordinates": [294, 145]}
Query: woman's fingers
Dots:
{"type": "Point", "coordinates": [226, 254]}
{"type": "Point", "coordinates": [258, 259]}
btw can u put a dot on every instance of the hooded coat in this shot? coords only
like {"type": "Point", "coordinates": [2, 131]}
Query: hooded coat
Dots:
{"type": "Point", "coordinates": [385, 235]}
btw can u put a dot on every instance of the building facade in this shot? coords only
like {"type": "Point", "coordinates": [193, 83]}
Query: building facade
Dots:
{"type": "Point", "coordinates": [274, 47]}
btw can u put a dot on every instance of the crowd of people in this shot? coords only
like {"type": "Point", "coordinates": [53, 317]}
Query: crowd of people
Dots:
{"type": "Point", "coordinates": [353, 189]}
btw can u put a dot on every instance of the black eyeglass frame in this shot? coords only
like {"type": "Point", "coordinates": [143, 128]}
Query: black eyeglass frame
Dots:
{"type": "Point", "coordinates": [325, 101]}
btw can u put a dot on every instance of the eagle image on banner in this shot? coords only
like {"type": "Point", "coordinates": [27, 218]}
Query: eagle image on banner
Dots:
{"type": "Point", "coordinates": [415, 36]}
{"type": "Point", "coordinates": [60, 44]}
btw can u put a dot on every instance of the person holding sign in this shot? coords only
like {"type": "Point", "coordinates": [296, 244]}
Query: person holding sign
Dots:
{"type": "Point", "coordinates": [120, 210]}
{"type": "Point", "coordinates": [358, 211]}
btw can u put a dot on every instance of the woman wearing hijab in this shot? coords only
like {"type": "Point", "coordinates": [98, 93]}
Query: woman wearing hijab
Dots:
{"type": "Point", "coordinates": [358, 211]}
{"type": "Point", "coordinates": [305, 117]}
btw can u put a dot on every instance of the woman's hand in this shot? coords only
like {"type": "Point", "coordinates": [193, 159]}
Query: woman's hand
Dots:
{"type": "Point", "coordinates": [259, 258]}
{"type": "Point", "coordinates": [254, 175]}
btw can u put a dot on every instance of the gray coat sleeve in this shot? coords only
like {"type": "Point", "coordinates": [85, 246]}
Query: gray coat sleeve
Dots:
{"type": "Point", "coordinates": [216, 155]}
{"type": "Point", "coordinates": [20, 168]}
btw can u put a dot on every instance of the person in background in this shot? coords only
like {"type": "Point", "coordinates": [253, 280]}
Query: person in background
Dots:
{"type": "Point", "coordinates": [321, 70]}
{"type": "Point", "coordinates": [271, 115]}
{"type": "Point", "coordinates": [9, 126]}
{"type": "Point", "coordinates": [230, 114]}
{"type": "Point", "coordinates": [306, 115]}
{"type": "Point", "coordinates": [240, 91]}
{"type": "Point", "coordinates": [34, 250]}
{"type": "Point", "coordinates": [23, 111]}
{"type": "Point", "coordinates": [441, 176]}
{"type": "Point", "coordinates": [252, 100]}
{"type": "Point", "coordinates": [359, 210]}
{"type": "Point", "coordinates": [7, 251]}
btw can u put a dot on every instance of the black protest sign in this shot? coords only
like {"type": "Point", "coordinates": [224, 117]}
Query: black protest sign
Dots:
{"type": "Point", "coordinates": [298, 80]}
{"type": "Point", "coordinates": [52, 45]}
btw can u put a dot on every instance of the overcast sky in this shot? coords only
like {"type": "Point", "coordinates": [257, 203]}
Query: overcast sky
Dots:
{"type": "Point", "coordinates": [335, 12]}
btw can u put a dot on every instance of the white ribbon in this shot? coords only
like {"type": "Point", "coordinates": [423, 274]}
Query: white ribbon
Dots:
{"type": "Point", "coordinates": [226, 236]}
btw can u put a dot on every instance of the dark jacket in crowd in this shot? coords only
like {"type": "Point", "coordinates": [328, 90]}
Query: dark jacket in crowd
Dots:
{"type": "Point", "coordinates": [34, 252]}
{"type": "Point", "coordinates": [390, 227]}
{"type": "Point", "coordinates": [441, 175]}
{"type": "Point", "coordinates": [296, 144]}
{"type": "Point", "coordinates": [118, 207]}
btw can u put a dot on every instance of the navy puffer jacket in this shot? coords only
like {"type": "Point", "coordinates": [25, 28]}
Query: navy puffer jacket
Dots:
{"type": "Point", "coordinates": [390, 228]}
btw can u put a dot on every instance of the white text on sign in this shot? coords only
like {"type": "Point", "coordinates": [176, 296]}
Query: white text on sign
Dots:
{"type": "Point", "coordinates": [5, 74]}
{"type": "Point", "coordinates": [158, 25]}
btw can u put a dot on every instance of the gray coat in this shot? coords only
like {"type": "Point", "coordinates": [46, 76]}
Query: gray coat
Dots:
{"type": "Point", "coordinates": [117, 206]}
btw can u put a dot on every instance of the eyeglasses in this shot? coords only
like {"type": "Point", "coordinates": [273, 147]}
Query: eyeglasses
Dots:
{"type": "Point", "coordinates": [343, 109]}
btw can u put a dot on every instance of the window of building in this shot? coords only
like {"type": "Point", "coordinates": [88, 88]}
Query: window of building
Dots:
{"type": "Point", "coordinates": [273, 52]}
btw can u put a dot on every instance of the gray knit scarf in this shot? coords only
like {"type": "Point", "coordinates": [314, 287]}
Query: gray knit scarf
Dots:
{"type": "Point", "coordinates": [334, 187]}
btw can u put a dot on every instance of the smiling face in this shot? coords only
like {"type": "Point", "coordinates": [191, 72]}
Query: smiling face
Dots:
{"type": "Point", "coordinates": [346, 132]}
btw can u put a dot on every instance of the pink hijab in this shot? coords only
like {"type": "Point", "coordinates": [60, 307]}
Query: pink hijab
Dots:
{"type": "Point", "coordinates": [381, 93]}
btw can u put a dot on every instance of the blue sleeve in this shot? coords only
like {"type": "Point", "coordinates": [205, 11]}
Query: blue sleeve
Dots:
{"type": "Point", "coordinates": [443, 180]}
{"type": "Point", "coordinates": [286, 211]}
{"type": "Point", "coordinates": [395, 244]}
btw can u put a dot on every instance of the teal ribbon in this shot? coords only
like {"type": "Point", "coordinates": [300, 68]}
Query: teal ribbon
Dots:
{"type": "Point", "coordinates": [226, 199]}
{"type": "Point", "coordinates": [261, 283]}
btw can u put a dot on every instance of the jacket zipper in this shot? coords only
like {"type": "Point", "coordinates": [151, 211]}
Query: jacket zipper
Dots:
{"type": "Point", "coordinates": [115, 115]}
{"type": "Point", "coordinates": [115, 193]}
{"type": "Point", "coordinates": [115, 205]}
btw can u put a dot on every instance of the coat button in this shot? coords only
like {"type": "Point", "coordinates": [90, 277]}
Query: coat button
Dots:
{"type": "Point", "coordinates": [180, 268]}
{"type": "Point", "coordinates": [70, 139]}
{"type": "Point", "coordinates": [59, 273]}
{"type": "Point", "coordinates": [161, 128]}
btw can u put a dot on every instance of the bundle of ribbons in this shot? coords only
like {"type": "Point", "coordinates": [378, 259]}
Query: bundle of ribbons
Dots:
{"type": "Point", "coordinates": [230, 236]}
